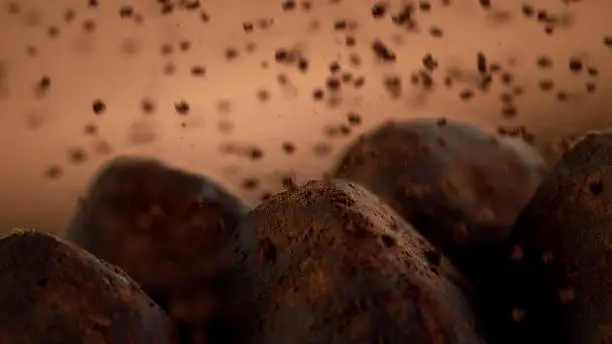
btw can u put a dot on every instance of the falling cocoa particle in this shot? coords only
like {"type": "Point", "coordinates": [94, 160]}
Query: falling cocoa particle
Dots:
{"type": "Point", "coordinates": [255, 153]}
{"type": "Point", "coordinates": [247, 27]}
{"type": "Point", "coordinates": [426, 80]}
{"type": "Point", "coordinates": [204, 17]}
{"type": "Point", "coordinates": [355, 60]}
{"type": "Point", "coordinates": [182, 107]}
{"type": "Point", "coordinates": [518, 91]}
{"type": "Point", "coordinates": [436, 32]}
{"type": "Point", "coordinates": [549, 29]}
{"type": "Point", "coordinates": [93, 3]}
{"type": "Point", "coordinates": [575, 65]}
{"type": "Point", "coordinates": [607, 41]}
{"type": "Point", "coordinates": [13, 8]}
{"type": "Point", "coordinates": [250, 47]}
{"type": "Point", "coordinates": [340, 25]}
{"type": "Point", "coordinates": [283, 55]}
{"type": "Point", "coordinates": [494, 67]}
{"type": "Point", "coordinates": [306, 6]}
{"type": "Point", "coordinates": [527, 10]}
{"type": "Point", "coordinates": [90, 129]}
{"type": "Point", "coordinates": [166, 49]}
{"type": "Point", "coordinates": [89, 26]}
{"type": "Point", "coordinates": [169, 68]}
{"type": "Point", "coordinates": [481, 62]}
{"type": "Point", "coordinates": [359, 82]}
{"type": "Point", "coordinates": [507, 78]}
{"type": "Point", "coordinates": [198, 71]}
{"type": "Point", "coordinates": [592, 71]}
{"type": "Point", "coordinates": [265, 196]}
{"type": "Point", "coordinates": [282, 79]}
{"type": "Point", "coordinates": [591, 87]}
{"type": "Point", "coordinates": [544, 62]}
{"type": "Point", "coordinates": [288, 148]}
{"type": "Point", "coordinates": [231, 53]}
{"type": "Point", "coordinates": [562, 96]}
{"type": "Point", "coordinates": [288, 182]}
{"type": "Point", "coordinates": [53, 31]}
{"type": "Point", "coordinates": [346, 77]}
{"type": "Point", "coordinates": [224, 106]}
{"type": "Point", "coordinates": [321, 149]}
{"type": "Point", "coordinates": [263, 95]}
{"type": "Point", "coordinates": [506, 98]}
{"type": "Point", "coordinates": [546, 85]}
{"type": "Point", "coordinates": [379, 10]}
{"type": "Point", "coordinates": [424, 6]}
{"type": "Point", "coordinates": [147, 106]}
{"type": "Point", "coordinates": [448, 81]}
{"type": "Point", "coordinates": [44, 83]}
{"type": "Point", "coordinates": [382, 52]}
{"type": "Point", "coordinates": [429, 62]}
{"type": "Point", "coordinates": [466, 94]}
{"type": "Point", "coordinates": [31, 50]}
{"type": "Point", "coordinates": [288, 5]}
{"type": "Point", "coordinates": [184, 45]}
{"type": "Point", "coordinates": [250, 183]}
{"type": "Point", "coordinates": [350, 41]}
{"type": "Point", "coordinates": [486, 81]}
{"type": "Point", "coordinates": [77, 155]}
{"type": "Point", "coordinates": [442, 122]}
{"type": "Point", "coordinates": [138, 19]}
{"type": "Point", "coordinates": [126, 12]}
{"type": "Point", "coordinates": [166, 9]}
{"type": "Point", "coordinates": [99, 107]}
{"type": "Point", "coordinates": [191, 5]}
{"type": "Point", "coordinates": [225, 126]}
{"type": "Point", "coordinates": [542, 15]}
{"type": "Point", "coordinates": [353, 118]}
{"type": "Point", "coordinates": [405, 18]}
{"type": "Point", "coordinates": [53, 172]}
{"type": "Point", "coordinates": [486, 4]}
{"type": "Point", "coordinates": [334, 67]}
{"type": "Point", "coordinates": [318, 94]}
{"type": "Point", "coordinates": [303, 64]}
{"type": "Point", "coordinates": [333, 84]}
{"type": "Point", "coordinates": [393, 85]}
{"type": "Point", "coordinates": [509, 110]}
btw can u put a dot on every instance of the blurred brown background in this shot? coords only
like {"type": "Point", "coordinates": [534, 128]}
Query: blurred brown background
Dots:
{"type": "Point", "coordinates": [52, 141]}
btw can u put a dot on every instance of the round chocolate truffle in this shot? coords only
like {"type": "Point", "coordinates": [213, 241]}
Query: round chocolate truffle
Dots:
{"type": "Point", "coordinates": [171, 231]}
{"type": "Point", "coordinates": [328, 262]}
{"type": "Point", "coordinates": [460, 187]}
{"type": "Point", "coordinates": [53, 292]}
{"type": "Point", "coordinates": [560, 282]}
{"type": "Point", "coordinates": [455, 183]}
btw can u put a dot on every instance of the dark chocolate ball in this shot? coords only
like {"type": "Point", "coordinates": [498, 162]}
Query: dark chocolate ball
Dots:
{"type": "Point", "coordinates": [328, 262]}
{"type": "Point", "coordinates": [53, 292]}
{"type": "Point", "coordinates": [455, 183]}
{"type": "Point", "coordinates": [171, 231]}
{"type": "Point", "coordinates": [560, 282]}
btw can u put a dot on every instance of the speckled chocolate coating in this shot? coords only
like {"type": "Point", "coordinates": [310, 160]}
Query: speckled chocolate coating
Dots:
{"type": "Point", "coordinates": [458, 186]}
{"type": "Point", "coordinates": [454, 183]}
{"type": "Point", "coordinates": [170, 231]}
{"type": "Point", "coordinates": [330, 263]}
{"type": "Point", "coordinates": [53, 292]}
{"type": "Point", "coordinates": [561, 279]}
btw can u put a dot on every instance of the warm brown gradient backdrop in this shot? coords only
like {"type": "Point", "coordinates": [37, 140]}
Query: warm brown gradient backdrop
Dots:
{"type": "Point", "coordinates": [121, 63]}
